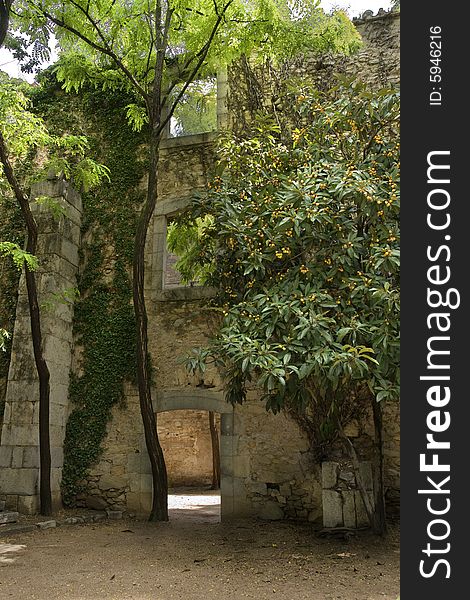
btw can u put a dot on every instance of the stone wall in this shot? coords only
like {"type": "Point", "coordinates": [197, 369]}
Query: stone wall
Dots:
{"type": "Point", "coordinates": [187, 446]}
{"type": "Point", "coordinates": [58, 245]}
{"type": "Point", "coordinates": [377, 64]}
{"type": "Point", "coordinates": [341, 500]}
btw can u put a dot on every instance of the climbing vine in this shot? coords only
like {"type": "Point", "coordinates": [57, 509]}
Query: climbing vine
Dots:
{"type": "Point", "coordinates": [104, 328]}
{"type": "Point", "coordinates": [11, 229]}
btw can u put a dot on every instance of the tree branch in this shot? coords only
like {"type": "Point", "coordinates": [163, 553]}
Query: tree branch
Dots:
{"type": "Point", "coordinates": [23, 200]}
{"type": "Point", "coordinates": [202, 54]}
{"type": "Point", "coordinates": [106, 49]}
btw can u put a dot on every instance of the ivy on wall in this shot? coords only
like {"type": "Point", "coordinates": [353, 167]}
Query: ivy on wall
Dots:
{"type": "Point", "coordinates": [104, 327]}
{"type": "Point", "coordinates": [11, 230]}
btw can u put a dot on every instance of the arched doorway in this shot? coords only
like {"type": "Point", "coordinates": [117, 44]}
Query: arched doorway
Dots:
{"type": "Point", "coordinates": [190, 440]}
{"type": "Point", "coordinates": [208, 401]}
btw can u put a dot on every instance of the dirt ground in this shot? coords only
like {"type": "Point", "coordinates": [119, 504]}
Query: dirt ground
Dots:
{"type": "Point", "coordinates": [194, 557]}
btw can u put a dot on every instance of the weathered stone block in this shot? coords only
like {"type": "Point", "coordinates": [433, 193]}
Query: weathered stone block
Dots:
{"type": "Point", "coordinates": [22, 412]}
{"type": "Point", "coordinates": [47, 524]}
{"type": "Point", "coordinates": [56, 478]}
{"type": "Point", "coordinates": [361, 514]}
{"type": "Point", "coordinates": [28, 505]}
{"type": "Point", "coordinates": [226, 445]}
{"type": "Point", "coordinates": [9, 517]}
{"type": "Point", "coordinates": [57, 351]}
{"type": "Point", "coordinates": [300, 492]}
{"type": "Point", "coordinates": [58, 414]}
{"type": "Point", "coordinates": [17, 457]}
{"type": "Point", "coordinates": [349, 509]}
{"type": "Point", "coordinates": [57, 434]}
{"type": "Point", "coordinates": [31, 457]}
{"type": "Point", "coordinates": [332, 509]}
{"type": "Point", "coordinates": [114, 515]}
{"type": "Point", "coordinates": [133, 501]}
{"type": "Point", "coordinates": [57, 457]}
{"type": "Point", "coordinates": [7, 414]}
{"type": "Point", "coordinates": [365, 469]}
{"type": "Point", "coordinates": [258, 487]}
{"type": "Point", "coordinates": [6, 453]}
{"type": "Point", "coordinates": [347, 477]}
{"type": "Point", "coordinates": [57, 327]}
{"type": "Point", "coordinates": [69, 251]}
{"type": "Point", "coordinates": [112, 481]}
{"type": "Point", "coordinates": [99, 516]}
{"type": "Point", "coordinates": [59, 370]}
{"type": "Point", "coordinates": [329, 474]}
{"type": "Point", "coordinates": [314, 515]}
{"type": "Point", "coordinates": [21, 391]}
{"type": "Point", "coordinates": [20, 435]}
{"type": "Point", "coordinates": [226, 424]}
{"type": "Point", "coordinates": [134, 483]}
{"type": "Point", "coordinates": [271, 511]}
{"type": "Point", "coordinates": [49, 243]}
{"type": "Point", "coordinates": [73, 520]}
{"type": "Point", "coordinates": [11, 501]}
{"type": "Point", "coordinates": [119, 460]}
{"type": "Point", "coordinates": [146, 484]}
{"type": "Point", "coordinates": [241, 466]}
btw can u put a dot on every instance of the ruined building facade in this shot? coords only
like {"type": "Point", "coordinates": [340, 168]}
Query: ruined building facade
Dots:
{"type": "Point", "coordinates": [263, 473]}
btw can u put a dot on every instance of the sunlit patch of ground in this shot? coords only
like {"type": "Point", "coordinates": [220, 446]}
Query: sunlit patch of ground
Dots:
{"type": "Point", "coordinates": [194, 504]}
{"type": "Point", "coordinates": [9, 553]}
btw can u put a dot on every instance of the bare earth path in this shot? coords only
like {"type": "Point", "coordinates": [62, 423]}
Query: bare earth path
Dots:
{"type": "Point", "coordinates": [193, 557]}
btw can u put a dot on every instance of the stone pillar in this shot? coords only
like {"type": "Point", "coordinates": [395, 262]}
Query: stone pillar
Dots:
{"type": "Point", "coordinates": [58, 245]}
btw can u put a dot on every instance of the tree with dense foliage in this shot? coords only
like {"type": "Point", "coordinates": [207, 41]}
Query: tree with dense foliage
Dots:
{"type": "Point", "coordinates": [301, 241]}
{"type": "Point", "coordinates": [22, 134]}
{"type": "Point", "coordinates": [156, 50]}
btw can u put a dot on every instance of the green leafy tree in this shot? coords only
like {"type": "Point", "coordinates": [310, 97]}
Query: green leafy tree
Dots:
{"type": "Point", "coordinates": [183, 240]}
{"type": "Point", "coordinates": [156, 50]}
{"type": "Point", "coordinates": [302, 244]}
{"type": "Point", "coordinates": [22, 134]}
{"type": "Point", "coordinates": [197, 110]}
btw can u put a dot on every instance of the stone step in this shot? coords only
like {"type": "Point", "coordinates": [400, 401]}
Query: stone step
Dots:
{"type": "Point", "coordinates": [9, 517]}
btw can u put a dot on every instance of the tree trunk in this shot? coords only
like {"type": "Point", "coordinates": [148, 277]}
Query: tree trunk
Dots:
{"type": "Point", "coordinates": [159, 511]}
{"type": "Point", "coordinates": [215, 452]}
{"type": "Point", "coordinates": [45, 496]}
{"type": "Point", "coordinates": [5, 6]}
{"type": "Point", "coordinates": [380, 518]}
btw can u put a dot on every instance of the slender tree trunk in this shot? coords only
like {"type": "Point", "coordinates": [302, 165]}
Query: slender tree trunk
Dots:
{"type": "Point", "coordinates": [5, 6]}
{"type": "Point", "coordinates": [159, 511]}
{"type": "Point", "coordinates": [380, 518]}
{"type": "Point", "coordinates": [45, 496]}
{"type": "Point", "coordinates": [215, 452]}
